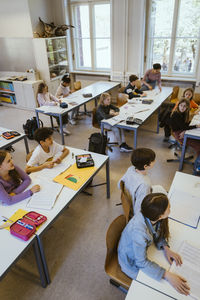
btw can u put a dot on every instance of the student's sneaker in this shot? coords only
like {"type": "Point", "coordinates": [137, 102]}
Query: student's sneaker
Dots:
{"type": "Point", "coordinates": [65, 131]}
{"type": "Point", "coordinates": [125, 148]}
{"type": "Point", "coordinates": [72, 122]}
{"type": "Point", "coordinates": [166, 139]}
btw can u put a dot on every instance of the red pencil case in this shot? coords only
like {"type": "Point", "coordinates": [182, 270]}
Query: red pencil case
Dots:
{"type": "Point", "coordinates": [25, 227]}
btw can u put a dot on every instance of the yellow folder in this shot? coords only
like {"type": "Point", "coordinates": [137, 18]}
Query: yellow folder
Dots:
{"type": "Point", "coordinates": [17, 215]}
{"type": "Point", "coordinates": [74, 177]}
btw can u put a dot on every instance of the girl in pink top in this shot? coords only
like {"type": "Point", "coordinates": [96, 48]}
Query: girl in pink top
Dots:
{"type": "Point", "coordinates": [13, 181]}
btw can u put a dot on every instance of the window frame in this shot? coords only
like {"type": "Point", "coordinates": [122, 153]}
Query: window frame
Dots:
{"type": "Point", "coordinates": [173, 38]}
{"type": "Point", "coordinates": [92, 38]}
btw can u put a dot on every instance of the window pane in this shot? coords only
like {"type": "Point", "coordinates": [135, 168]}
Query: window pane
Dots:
{"type": "Point", "coordinates": [102, 20]}
{"type": "Point", "coordinates": [84, 54]}
{"type": "Point", "coordinates": [160, 53]}
{"type": "Point", "coordinates": [161, 18]}
{"type": "Point", "coordinates": [82, 22]}
{"type": "Point", "coordinates": [103, 53]}
{"type": "Point", "coordinates": [185, 53]}
{"type": "Point", "coordinates": [189, 18]}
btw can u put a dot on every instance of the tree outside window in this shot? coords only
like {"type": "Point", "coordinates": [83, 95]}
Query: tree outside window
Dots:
{"type": "Point", "coordinates": [174, 36]}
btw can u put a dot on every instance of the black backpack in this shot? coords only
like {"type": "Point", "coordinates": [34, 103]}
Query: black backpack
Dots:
{"type": "Point", "coordinates": [31, 126]}
{"type": "Point", "coordinates": [97, 143]}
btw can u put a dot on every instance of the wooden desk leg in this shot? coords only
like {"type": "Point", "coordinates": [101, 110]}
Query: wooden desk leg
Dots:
{"type": "Point", "coordinates": [183, 153]}
{"type": "Point", "coordinates": [26, 144]}
{"type": "Point", "coordinates": [39, 264]}
{"type": "Point", "coordinates": [44, 263]}
{"type": "Point", "coordinates": [135, 138]}
{"type": "Point", "coordinates": [108, 179]}
{"type": "Point", "coordinates": [157, 131]}
{"type": "Point", "coordinates": [61, 129]}
{"type": "Point", "coordinates": [37, 118]}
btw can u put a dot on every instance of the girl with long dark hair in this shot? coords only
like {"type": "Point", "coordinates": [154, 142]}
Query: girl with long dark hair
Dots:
{"type": "Point", "coordinates": [13, 181]}
{"type": "Point", "coordinates": [150, 225]}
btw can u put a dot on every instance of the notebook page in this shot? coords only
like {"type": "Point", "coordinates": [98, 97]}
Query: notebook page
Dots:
{"type": "Point", "coordinates": [185, 207]}
{"type": "Point", "coordinates": [190, 269]}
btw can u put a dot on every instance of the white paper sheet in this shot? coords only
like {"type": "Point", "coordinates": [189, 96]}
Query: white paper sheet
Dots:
{"type": "Point", "coordinates": [46, 197]}
{"type": "Point", "coordinates": [190, 269]}
{"type": "Point", "coordinates": [185, 207]}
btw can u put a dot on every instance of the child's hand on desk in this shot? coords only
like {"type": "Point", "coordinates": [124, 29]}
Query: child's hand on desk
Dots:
{"type": "Point", "coordinates": [48, 164]}
{"type": "Point", "coordinates": [35, 188]}
{"type": "Point", "coordinates": [58, 160]}
{"type": "Point", "coordinates": [172, 256]}
{"type": "Point", "coordinates": [178, 282]}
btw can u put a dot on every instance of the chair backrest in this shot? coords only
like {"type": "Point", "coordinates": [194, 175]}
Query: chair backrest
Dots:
{"type": "Point", "coordinates": [126, 202]}
{"type": "Point", "coordinates": [113, 236]}
{"type": "Point", "coordinates": [121, 99]}
{"type": "Point", "coordinates": [174, 95]}
{"type": "Point", "coordinates": [94, 118]}
{"type": "Point", "coordinates": [77, 85]}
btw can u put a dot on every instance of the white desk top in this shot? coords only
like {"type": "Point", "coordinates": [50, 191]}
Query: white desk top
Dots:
{"type": "Point", "coordinates": [139, 291]}
{"type": "Point", "coordinates": [178, 233]}
{"type": "Point", "coordinates": [64, 198]}
{"type": "Point", "coordinates": [196, 131]}
{"type": "Point", "coordinates": [95, 89]}
{"type": "Point", "coordinates": [4, 142]}
{"type": "Point", "coordinates": [142, 111]}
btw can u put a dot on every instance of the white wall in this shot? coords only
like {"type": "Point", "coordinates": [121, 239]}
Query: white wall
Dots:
{"type": "Point", "coordinates": [15, 19]}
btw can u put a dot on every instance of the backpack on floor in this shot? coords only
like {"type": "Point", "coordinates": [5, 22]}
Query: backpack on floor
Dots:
{"type": "Point", "coordinates": [196, 170]}
{"type": "Point", "coordinates": [97, 143]}
{"type": "Point", "coordinates": [31, 126]}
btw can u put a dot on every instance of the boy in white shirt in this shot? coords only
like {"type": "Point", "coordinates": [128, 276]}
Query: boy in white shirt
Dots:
{"type": "Point", "coordinates": [47, 153]}
{"type": "Point", "coordinates": [64, 91]}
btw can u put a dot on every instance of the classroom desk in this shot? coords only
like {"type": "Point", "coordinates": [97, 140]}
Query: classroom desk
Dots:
{"type": "Point", "coordinates": [66, 196]}
{"type": "Point", "coordinates": [96, 89]}
{"type": "Point", "coordinates": [189, 134]}
{"type": "Point", "coordinates": [145, 111]}
{"type": "Point", "coordinates": [5, 143]}
{"type": "Point", "coordinates": [13, 248]}
{"type": "Point", "coordinates": [139, 291]}
{"type": "Point", "coordinates": [178, 233]}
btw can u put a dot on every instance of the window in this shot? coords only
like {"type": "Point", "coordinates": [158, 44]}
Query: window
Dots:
{"type": "Point", "coordinates": [174, 36]}
{"type": "Point", "coordinates": [92, 36]}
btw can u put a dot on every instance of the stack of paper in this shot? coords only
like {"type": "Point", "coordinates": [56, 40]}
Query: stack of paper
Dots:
{"type": "Point", "coordinates": [185, 208]}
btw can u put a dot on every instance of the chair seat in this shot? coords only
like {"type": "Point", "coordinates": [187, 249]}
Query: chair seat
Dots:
{"type": "Point", "coordinates": [114, 271]}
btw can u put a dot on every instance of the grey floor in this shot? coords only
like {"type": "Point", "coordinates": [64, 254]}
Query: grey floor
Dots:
{"type": "Point", "coordinates": [75, 244]}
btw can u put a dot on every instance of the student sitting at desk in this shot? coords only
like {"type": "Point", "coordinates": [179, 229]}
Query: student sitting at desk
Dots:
{"type": "Point", "coordinates": [106, 110]}
{"type": "Point", "coordinates": [64, 91]}
{"type": "Point", "coordinates": [131, 90]}
{"type": "Point", "coordinates": [187, 94]}
{"type": "Point", "coordinates": [13, 181]}
{"type": "Point", "coordinates": [150, 225]}
{"type": "Point", "coordinates": [46, 98]}
{"type": "Point", "coordinates": [179, 122]}
{"type": "Point", "coordinates": [151, 77]}
{"type": "Point", "coordinates": [47, 153]}
{"type": "Point", "coordinates": [136, 179]}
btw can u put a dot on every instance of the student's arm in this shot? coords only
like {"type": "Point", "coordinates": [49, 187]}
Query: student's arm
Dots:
{"type": "Point", "coordinates": [177, 123]}
{"type": "Point", "coordinates": [141, 261]}
{"type": "Point", "coordinates": [101, 114]}
{"type": "Point", "coordinates": [115, 108]}
{"type": "Point", "coordinates": [25, 181]}
{"type": "Point", "coordinates": [8, 199]}
{"type": "Point", "coordinates": [31, 169]}
{"type": "Point", "coordinates": [53, 98]}
{"type": "Point", "coordinates": [146, 75]}
{"type": "Point", "coordinates": [42, 101]}
{"type": "Point", "coordinates": [65, 152]}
